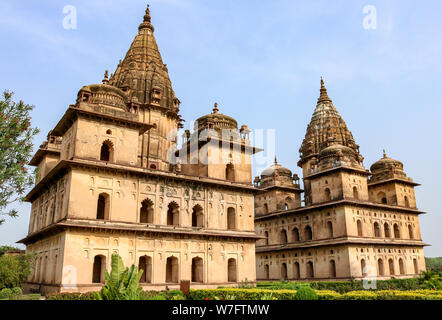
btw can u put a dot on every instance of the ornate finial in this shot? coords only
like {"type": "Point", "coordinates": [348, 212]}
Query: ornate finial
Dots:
{"type": "Point", "coordinates": [106, 77]}
{"type": "Point", "coordinates": [147, 15]}
{"type": "Point", "coordinates": [385, 154]}
{"type": "Point", "coordinates": [276, 161]}
{"type": "Point", "coordinates": [146, 21]}
{"type": "Point", "coordinates": [323, 96]}
{"type": "Point", "coordinates": [215, 108]}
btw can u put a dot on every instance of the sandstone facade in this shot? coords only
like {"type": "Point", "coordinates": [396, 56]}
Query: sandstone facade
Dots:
{"type": "Point", "coordinates": [355, 223]}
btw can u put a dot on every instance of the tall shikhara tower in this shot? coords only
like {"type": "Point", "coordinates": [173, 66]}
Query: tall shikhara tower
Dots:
{"type": "Point", "coordinates": [355, 223]}
{"type": "Point", "coordinates": [107, 184]}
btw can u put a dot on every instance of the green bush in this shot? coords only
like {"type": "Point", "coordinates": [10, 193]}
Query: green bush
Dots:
{"type": "Point", "coordinates": [159, 297]}
{"type": "Point", "coordinates": [5, 293]}
{"type": "Point", "coordinates": [72, 296]}
{"type": "Point", "coordinates": [347, 286]}
{"type": "Point", "coordinates": [17, 291]}
{"type": "Point", "coordinates": [306, 293]}
{"type": "Point", "coordinates": [14, 270]}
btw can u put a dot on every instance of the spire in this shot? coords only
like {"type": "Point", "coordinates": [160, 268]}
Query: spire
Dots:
{"type": "Point", "coordinates": [106, 77]}
{"type": "Point", "coordinates": [326, 128]}
{"type": "Point", "coordinates": [147, 21]}
{"type": "Point", "coordinates": [276, 161]}
{"type": "Point", "coordinates": [323, 97]}
{"type": "Point", "coordinates": [143, 74]}
{"type": "Point", "coordinates": [215, 108]}
{"type": "Point", "coordinates": [385, 154]}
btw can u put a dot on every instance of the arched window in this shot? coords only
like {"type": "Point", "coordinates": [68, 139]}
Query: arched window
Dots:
{"type": "Point", "coordinates": [107, 151]}
{"type": "Point", "coordinates": [330, 229]}
{"type": "Point", "coordinates": [406, 202]}
{"type": "Point", "coordinates": [103, 205]}
{"type": "Point", "coordinates": [377, 230]}
{"type": "Point", "coordinates": [382, 197]}
{"type": "Point", "coordinates": [266, 208]}
{"type": "Point", "coordinates": [266, 234]}
{"type": "Point", "coordinates": [387, 230]}
{"type": "Point", "coordinates": [410, 232]}
{"type": "Point", "coordinates": [355, 193]}
{"type": "Point", "coordinates": [288, 203]}
{"type": "Point", "coordinates": [380, 267]}
{"type": "Point", "coordinates": [296, 271]}
{"type": "Point", "coordinates": [359, 224]}
{"type": "Point", "coordinates": [416, 267]}
{"type": "Point", "coordinates": [401, 266]}
{"type": "Point", "coordinates": [172, 270]}
{"type": "Point", "coordinates": [308, 234]}
{"type": "Point", "coordinates": [197, 216]}
{"type": "Point", "coordinates": [363, 268]}
{"type": "Point", "coordinates": [54, 269]}
{"type": "Point", "coordinates": [266, 272]}
{"type": "Point", "coordinates": [327, 194]}
{"type": "Point", "coordinates": [284, 270]}
{"type": "Point", "coordinates": [391, 266]}
{"type": "Point", "coordinates": [332, 267]}
{"type": "Point", "coordinates": [145, 264]}
{"type": "Point", "coordinates": [231, 270]}
{"type": "Point", "coordinates": [197, 270]}
{"type": "Point", "coordinates": [283, 236]}
{"type": "Point", "coordinates": [173, 214]}
{"type": "Point", "coordinates": [230, 172]}
{"type": "Point", "coordinates": [397, 233]}
{"type": "Point", "coordinates": [146, 211]}
{"type": "Point", "coordinates": [231, 218]}
{"type": "Point", "coordinates": [295, 235]}
{"type": "Point", "coordinates": [310, 271]}
{"type": "Point", "coordinates": [98, 269]}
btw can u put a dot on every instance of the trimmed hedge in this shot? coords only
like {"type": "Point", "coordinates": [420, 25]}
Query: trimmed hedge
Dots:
{"type": "Point", "coordinates": [347, 286]}
{"type": "Point", "coordinates": [259, 294]}
{"type": "Point", "coordinates": [72, 296]}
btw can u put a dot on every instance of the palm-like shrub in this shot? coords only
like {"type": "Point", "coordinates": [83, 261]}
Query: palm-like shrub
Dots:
{"type": "Point", "coordinates": [122, 283]}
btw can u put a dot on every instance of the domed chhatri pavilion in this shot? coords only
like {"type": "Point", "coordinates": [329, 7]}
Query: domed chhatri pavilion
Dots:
{"type": "Point", "coordinates": [112, 180]}
{"type": "Point", "coordinates": [354, 224]}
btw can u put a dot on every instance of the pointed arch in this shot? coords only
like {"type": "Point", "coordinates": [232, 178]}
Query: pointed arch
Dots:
{"type": "Point", "coordinates": [173, 214]}
{"type": "Point", "coordinates": [284, 271]}
{"type": "Point", "coordinates": [231, 219]}
{"type": "Point", "coordinates": [332, 268]}
{"type": "Point", "coordinates": [103, 206]}
{"type": "Point", "coordinates": [359, 226]}
{"type": "Point", "coordinates": [380, 267]}
{"type": "Point", "coordinates": [107, 151]}
{"type": "Point", "coordinates": [231, 270]}
{"type": "Point", "coordinates": [397, 233]}
{"type": "Point", "coordinates": [283, 236]}
{"type": "Point", "coordinates": [98, 269]}
{"type": "Point", "coordinates": [308, 233]}
{"type": "Point", "coordinates": [172, 270]}
{"type": "Point", "coordinates": [355, 193]}
{"type": "Point", "coordinates": [197, 216]}
{"type": "Point", "coordinates": [197, 270]}
{"type": "Point", "coordinates": [145, 264]}
{"type": "Point", "coordinates": [295, 234]}
{"type": "Point", "coordinates": [330, 229]}
{"type": "Point", "coordinates": [146, 211]}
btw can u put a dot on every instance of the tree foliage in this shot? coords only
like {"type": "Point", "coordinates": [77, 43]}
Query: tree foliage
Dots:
{"type": "Point", "coordinates": [16, 137]}
{"type": "Point", "coordinates": [14, 270]}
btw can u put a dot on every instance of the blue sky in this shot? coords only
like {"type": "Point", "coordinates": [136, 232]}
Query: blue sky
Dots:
{"type": "Point", "coordinates": [261, 61]}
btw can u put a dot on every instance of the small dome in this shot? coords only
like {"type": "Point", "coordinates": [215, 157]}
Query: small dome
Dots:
{"type": "Point", "coordinates": [216, 121]}
{"type": "Point", "coordinates": [276, 169]}
{"type": "Point", "coordinates": [336, 149]}
{"type": "Point", "coordinates": [386, 163]}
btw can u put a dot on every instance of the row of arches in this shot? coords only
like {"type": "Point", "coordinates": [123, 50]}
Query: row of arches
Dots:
{"type": "Point", "coordinates": [287, 204]}
{"type": "Point", "coordinates": [172, 269]}
{"type": "Point", "coordinates": [388, 233]}
{"type": "Point", "coordinates": [147, 212]}
{"type": "Point", "coordinates": [296, 275]}
{"type": "Point", "coordinates": [295, 234]}
{"type": "Point", "coordinates": [382, 269]}
{"type": "Point", "coordinates": [381, 197]}
{"type": "Point", "coordinates": [45, 270]}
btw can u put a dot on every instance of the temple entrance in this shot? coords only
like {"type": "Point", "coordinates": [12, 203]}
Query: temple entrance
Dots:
{"type": "Point", "coordinates": [197, 270]}
{"type": "Point", "coordinates": [172, 270]}
{"type": "Point", "coordinates": [231, 270]}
